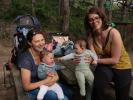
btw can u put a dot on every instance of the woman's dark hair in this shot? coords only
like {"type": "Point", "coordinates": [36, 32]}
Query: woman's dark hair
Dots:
{"type": "Point", "coordinates": [30, 36]}
{"type": "Point", "coordinates": [98, 11]}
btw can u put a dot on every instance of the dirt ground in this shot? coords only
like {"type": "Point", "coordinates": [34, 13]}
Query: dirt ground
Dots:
{"type": "Point", "coordinates": [7, 92]}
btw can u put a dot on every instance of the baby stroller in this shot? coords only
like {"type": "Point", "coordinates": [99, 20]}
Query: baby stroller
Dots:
{"type": "Point", "coordinates": [61, 44]}
{"type": "Point", "coordinates": [24, 24]}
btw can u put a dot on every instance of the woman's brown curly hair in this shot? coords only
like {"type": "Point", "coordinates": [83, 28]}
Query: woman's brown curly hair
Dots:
{"type": "Point", "coordinates": [98, 11]}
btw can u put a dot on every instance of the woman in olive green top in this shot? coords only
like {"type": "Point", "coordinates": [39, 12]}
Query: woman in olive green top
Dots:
{"type": "Point", "coordinates": [113, 62]}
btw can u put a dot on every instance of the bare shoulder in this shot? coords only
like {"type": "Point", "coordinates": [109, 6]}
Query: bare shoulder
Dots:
{"type": "Point", "coordinates": [115, 36]}
{"type": "Point", "coordinates": [114, 33]}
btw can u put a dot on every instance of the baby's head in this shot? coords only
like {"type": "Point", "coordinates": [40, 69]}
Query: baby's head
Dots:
{"type": "Point", "coordinates": [47, 57]}
{"type": "Point", "coordinates": [80, 46]}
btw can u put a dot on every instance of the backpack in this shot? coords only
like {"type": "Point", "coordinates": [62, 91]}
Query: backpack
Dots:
{"type": "Point", "coordinates": [24, 24]}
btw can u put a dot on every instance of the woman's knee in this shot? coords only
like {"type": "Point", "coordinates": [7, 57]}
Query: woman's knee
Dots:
{"type": "Point", "coordinates": [50, 95]}
{"type": "Point", "coordinates": [66, 90]}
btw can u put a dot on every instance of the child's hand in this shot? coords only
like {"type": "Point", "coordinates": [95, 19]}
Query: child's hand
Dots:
{"type": "Point", "coordinates": [62, 67]}
{"type": "Point", "coordinates": [51, 74]}
{"type": "Point", "coordinates": [60, 59]}
{"type": "Point", "coordinates": [76, 59]}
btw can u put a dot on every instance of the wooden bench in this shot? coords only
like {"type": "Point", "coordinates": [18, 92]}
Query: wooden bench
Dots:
{"type": "Point", "coordinates": [69, 72]}
{"type": "Point", "coordinates": [18, 85]}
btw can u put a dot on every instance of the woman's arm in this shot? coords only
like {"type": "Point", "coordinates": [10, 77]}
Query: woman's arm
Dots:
{"type": "Point", "coordinates": [26, 80]}
{"type": "Point", "coordinates": [54, 78]}
{"type": "Point", "coordinates": [116, 45]}
{"type": "Point", "coordinates": [67, 57]}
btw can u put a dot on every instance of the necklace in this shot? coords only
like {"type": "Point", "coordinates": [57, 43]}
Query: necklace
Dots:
{"type": "Point", "coordinates": [100, 40]}
{"type": "Point", "coordinates": [36, 57]}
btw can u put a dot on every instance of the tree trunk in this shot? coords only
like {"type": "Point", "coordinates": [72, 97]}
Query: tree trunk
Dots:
{"type": "Point", "coordinates": [94, 2]}
{"type": "Point", "coordinates": [100, 3]}
{"type": "Point", "coordinates": [61, 6]}
{"type": "Point", "coordinates": [65, 16]}
{"type": "Point", "coordinates": [33, 7]}
{"type": "Point", "coordinates": [125, 11]}
{"type": "Point", "coordinates": [108, 10]}
{"type": "Point", "coordinates": [44, 1]}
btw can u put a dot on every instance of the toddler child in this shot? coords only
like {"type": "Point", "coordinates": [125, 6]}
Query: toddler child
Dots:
{"type": "Point", "coordinates": [82, 71]}
{"type": "Point", "coordinates": [48, 67]}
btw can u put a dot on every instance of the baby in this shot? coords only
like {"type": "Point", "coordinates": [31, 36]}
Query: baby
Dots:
{"type": "Point", "coordinates": [82, 71]}
{"type": "Point", "coordinates": [48, 67]}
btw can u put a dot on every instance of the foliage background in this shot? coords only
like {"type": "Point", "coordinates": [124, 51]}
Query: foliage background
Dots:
{"type": "Point", "coordinates": [47, 11]}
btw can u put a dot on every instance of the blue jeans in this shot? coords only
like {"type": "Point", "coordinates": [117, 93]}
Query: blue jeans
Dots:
{"type": "Point", "coordinates": [50, 95]}
{"type": "Point", "coordinates": [66, 90]}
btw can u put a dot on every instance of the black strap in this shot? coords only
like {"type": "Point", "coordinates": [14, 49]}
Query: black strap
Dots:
{"type": "Point", "coordinates": [107, 39]}
{"type": "Point", "coordinates": [94, 39]}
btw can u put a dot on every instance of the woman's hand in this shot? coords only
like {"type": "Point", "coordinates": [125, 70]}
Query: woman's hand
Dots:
{"type": "Point", "coordinates": [51, 78]}
{"type": "Point", "coordinates": [51, 74]}
{"type": "Point", "coordinates": [50, 81]}
{"type": "Point", "coordinates": [88, 59]}
{"type": "Point", "coordinates": [76, 59]}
